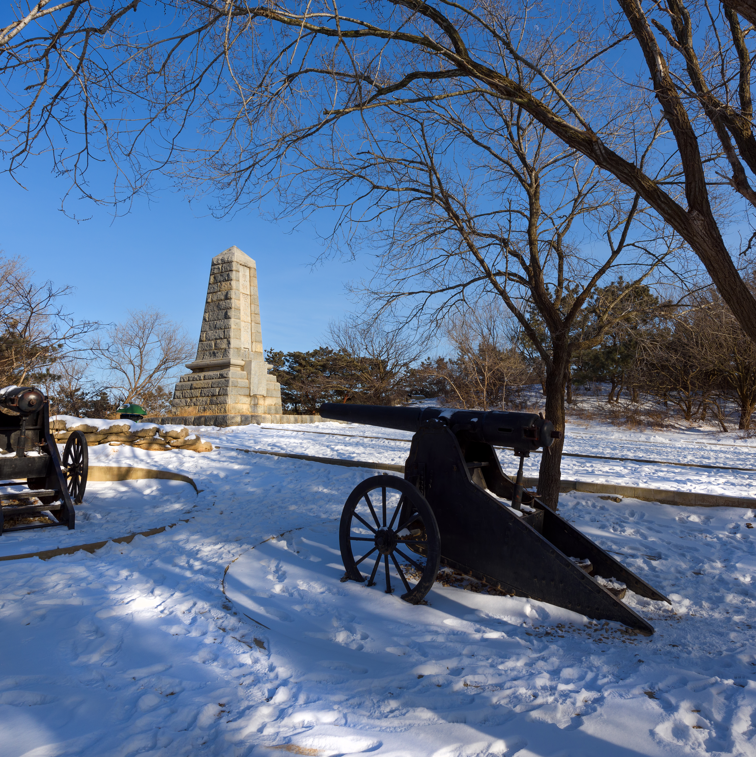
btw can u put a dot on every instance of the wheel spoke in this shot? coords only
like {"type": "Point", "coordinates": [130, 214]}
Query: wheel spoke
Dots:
{"type": "Point", "coordinates": [74, 466]}
{"type": "Point", "coordinates": [412, 518]}
{"type": "Point", "coordinates": [396, 512]}
{"type": "Point", "coordinates": [415, 537]}
{"type": "Point", "coordinates": [401, 574]}
{"type": "Point", "coordinates": [365, 556]}
{"type": "Point", "coordinates": [364, 522]}
{"type": "Point", "coordinates": [372, 510]}
{"type": "Point", "coordinates": [371, 580]}
{"type": "Point", "coordinates": [410, 560]}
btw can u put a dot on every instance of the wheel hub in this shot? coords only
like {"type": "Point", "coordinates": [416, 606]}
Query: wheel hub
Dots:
{"type": "Point", "coordinates": [386, 541]}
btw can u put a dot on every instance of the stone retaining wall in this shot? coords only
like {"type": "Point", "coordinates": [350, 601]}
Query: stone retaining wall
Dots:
{"type": "Point", "coordinates": [234, 420]}
{"type": "Point", "coordinates": [149, 436]}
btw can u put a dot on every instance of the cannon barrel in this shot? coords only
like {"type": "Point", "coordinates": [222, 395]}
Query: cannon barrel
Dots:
{"type": "Point", "coordinates": [523, 432]}
{"type": "Point", "coordinates": [23, 400]}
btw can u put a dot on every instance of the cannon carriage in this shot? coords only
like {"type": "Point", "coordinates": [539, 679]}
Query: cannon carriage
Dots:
{"type": "Point", "coordinates": [457, 508]}
{"type": "Point", "coordinates": [37, 489]}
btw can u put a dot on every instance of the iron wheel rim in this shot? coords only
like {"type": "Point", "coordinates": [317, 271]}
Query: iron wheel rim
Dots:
{"type": "Point", "coordinates": [76, 466]}
{"type": "Point", "coordinates": [386, 521]}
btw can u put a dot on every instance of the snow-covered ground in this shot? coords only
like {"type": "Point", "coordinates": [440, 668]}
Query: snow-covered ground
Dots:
{"type": "Point", "coordinates": [231, 634]}
{"type": "Point", "coordinates": [690, 448]}
{"type": "Point", "coordinates": [109, 511]}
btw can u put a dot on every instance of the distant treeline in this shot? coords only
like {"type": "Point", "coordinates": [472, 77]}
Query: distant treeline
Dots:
{"type": "Point", "coordinates": [693, 356]}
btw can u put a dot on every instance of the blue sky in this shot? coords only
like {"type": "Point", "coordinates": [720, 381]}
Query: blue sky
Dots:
{"type": "Point", "coordinates": [159, 255]}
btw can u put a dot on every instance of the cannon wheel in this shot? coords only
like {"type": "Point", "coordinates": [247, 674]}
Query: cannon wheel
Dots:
{"type": "Point", "coordinates": [383, 520]}
{"type": "Point", "coordinates": [76, 466]}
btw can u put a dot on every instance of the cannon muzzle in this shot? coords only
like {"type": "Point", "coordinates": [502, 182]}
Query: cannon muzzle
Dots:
{"type": "Point", "coordinates": [23, 400]}
{"type": "Point", "coordinates": [523, 432]}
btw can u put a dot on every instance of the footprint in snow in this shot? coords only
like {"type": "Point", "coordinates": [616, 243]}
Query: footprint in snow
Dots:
{"type": "Point", "coordinates": [399, 651]}
{"type": "Point", "coordinates": [26, 698]}
{"type": "Point", "coordinates": [281, 615]}
{"type": "Point", "coordinates": [330, 746]}
{"type": "Point", "coordinates": [343, 666]}
{"type": "Point", "coordinates": [277, 572]}
{"type": "Point", "coordinates": [498, 748]}
{"type": "Point", "coordinates": [149, 702]}
{"type": "Point", "coordinates": [744, 722]}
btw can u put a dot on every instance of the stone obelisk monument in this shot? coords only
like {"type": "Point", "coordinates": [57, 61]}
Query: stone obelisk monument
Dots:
{"type": "Point", "coordinates": [229, 383]}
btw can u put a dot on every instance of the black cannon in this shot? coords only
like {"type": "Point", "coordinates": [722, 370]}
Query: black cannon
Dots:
{"type": "Point", "coordinates": [457, 508]}
{"type": "Point", "coordinates": [29, 456]}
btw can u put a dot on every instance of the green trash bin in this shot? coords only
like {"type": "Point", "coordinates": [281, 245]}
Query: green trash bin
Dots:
{"type": "Point", "coordinates": [132, 413]}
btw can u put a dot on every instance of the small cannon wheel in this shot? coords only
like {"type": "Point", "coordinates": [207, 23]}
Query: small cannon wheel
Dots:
{"type": "Point", "coordinates": [388, 522]}
{"type": "Point", "coordinates": [76, 466]}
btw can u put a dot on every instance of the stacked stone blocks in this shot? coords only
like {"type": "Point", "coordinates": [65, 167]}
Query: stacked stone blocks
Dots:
{"type": "Point", "coordinates": [229, 382]}
{"type": "Point", "coordinates": [144, 436]}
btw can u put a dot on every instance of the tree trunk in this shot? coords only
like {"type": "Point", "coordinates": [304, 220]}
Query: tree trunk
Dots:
{"type": "Point", "coordinates": [746, 411]}
{"type": "Point", "coordinates": [570, 399]}
{"type": "Point", "coordinates": [550, 472]}
{"type": "Point", "coordinates": [619, 391]}
{"type": "Point", "coordinates": [719, 414]}
{"type": "Point", "coordinates": [702, 408]}
{"type": "Point", "coordinates": [610, 398]}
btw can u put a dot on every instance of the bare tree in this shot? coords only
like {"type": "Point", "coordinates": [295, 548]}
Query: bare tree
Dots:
{"type": "Point", "coordinates": [36, 330]}
{"type": "Point", "coordinates": [67, 377]}
{"type": "Point", "coordinates": [471, 207]}
{"type": "Point", "coordinates": [268, 85]}
{"type": "Point", "coordinates": [73, 389]}
{"type": "Point", "coordinates": [728, 353]}
{"type": "Point", "coordinates": [674, 369]}
{"type": "Point", "coordinates": [486, 361]}
{"type": "Point", "coordinates": [700, 360]}
{"type": "Point", "coordinates": [382, 354]}
{"type": "Point", "coordinates": [139, 356]}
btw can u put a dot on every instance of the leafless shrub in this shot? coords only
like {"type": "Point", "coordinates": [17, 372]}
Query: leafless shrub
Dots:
{"type": "Point", "coordinates": [486, 363]}
{"type": "Point", "coordinates": [701, 361]}
{"type": "Point", "coordinates": [381, 357]}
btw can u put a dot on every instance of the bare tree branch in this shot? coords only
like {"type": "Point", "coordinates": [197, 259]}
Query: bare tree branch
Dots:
{"type": "Point", "coordinates": [140, 354]}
